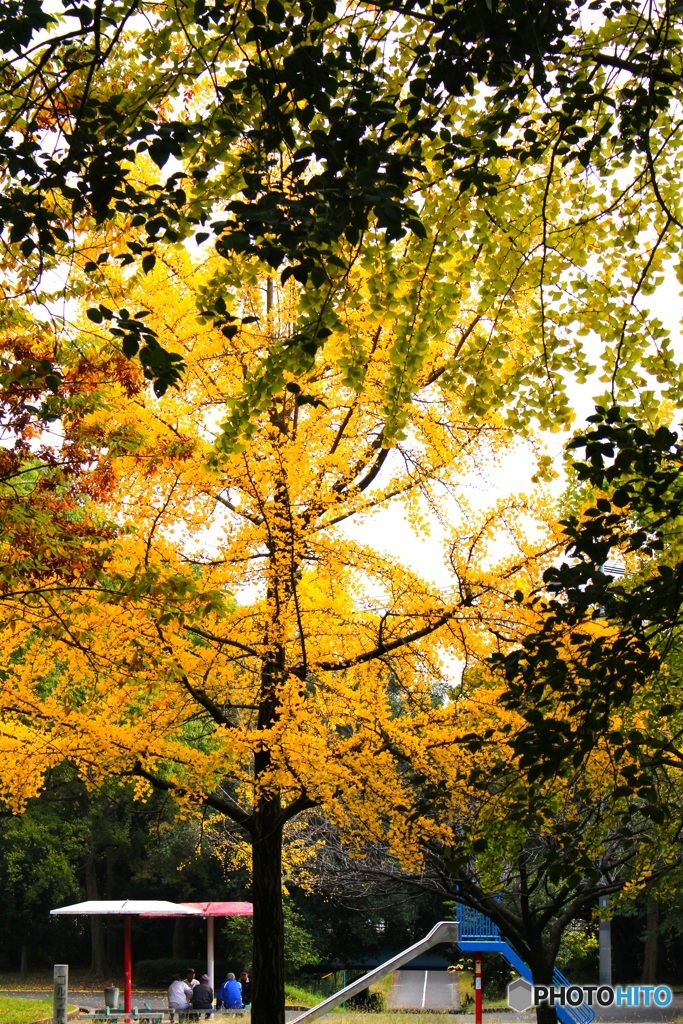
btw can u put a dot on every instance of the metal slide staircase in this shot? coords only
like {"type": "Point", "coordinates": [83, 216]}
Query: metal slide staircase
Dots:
{"type": "Point", "coordinates": [478, 934]}
{"type": "Point", "coordinates": [474, 933]}
{"type": "Point", "coordinates": [444, 931]}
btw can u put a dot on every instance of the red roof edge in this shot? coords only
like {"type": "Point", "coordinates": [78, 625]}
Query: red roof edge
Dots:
{"type": "Point", "coordinates": [214, 908]}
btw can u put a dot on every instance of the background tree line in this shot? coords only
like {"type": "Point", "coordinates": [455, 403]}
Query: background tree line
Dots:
{"type": "Point", "coordinates": [336, 915]}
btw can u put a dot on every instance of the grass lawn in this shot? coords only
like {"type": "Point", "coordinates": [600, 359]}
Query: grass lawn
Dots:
{"type": "Point", "coordinates": [391, 1017]}
{"type": "Point", "coordinates": [297, 995]}
{"type": "Point", "coordinates": [394, 1017]}
{"type": "Point", "coordinates": [14, 1010]}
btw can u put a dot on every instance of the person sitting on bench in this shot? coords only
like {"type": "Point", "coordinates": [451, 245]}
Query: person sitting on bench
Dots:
{"type": "Point", "coordinates": [179, 994]}
{"type": "Point", "coordinates": [202, 995]}
{"type": "Point", "coordinates": [230, 994]}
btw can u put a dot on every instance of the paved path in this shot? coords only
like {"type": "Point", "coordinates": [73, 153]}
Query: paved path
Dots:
{"type": "Point", "coordinates": [424, 990]}
{"type": "Point", "coordinates": [95, 1000]}
{"type": "Point", "coordinates": [639, 1014]}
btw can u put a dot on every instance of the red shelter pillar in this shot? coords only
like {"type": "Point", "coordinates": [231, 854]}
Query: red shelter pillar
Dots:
{"type": "Point", "coordinates": [127, 967]}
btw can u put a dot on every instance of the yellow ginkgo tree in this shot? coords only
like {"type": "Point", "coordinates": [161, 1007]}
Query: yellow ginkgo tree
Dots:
{"type": "Point", "coordinates": [241, 648]}
{"type": "Point", "coordinates": [235, 643]}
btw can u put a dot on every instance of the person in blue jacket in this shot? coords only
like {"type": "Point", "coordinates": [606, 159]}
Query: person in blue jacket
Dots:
{"type": "Point", "coordinates": [230, 994]}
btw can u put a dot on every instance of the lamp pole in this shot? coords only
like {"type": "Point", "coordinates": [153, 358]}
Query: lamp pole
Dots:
{"type": "Point", "coordinates": [605, 944]}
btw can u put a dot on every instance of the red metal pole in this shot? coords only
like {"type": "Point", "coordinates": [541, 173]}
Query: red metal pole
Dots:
{"type": "Point", "coordinates": [478, 990]}
{"type": "Point", "coordinates": [127, 967]}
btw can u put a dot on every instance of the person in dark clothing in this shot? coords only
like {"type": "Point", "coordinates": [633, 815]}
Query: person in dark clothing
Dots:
{"type": "Point", "coordinates": [245, 982]}
{"type": "Point", "coordinates": [202, 995]}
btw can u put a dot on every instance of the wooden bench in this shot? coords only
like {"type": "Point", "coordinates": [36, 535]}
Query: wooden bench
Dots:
{"type": "Point", "coordinates": [193, 1015]}
{"type": "Point", "coordinates": [143, 1016]}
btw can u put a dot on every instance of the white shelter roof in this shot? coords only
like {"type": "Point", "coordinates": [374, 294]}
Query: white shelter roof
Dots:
{"type": "Point", "coordinates": [147, 907]}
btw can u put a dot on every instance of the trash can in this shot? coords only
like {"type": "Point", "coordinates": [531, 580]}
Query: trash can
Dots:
{"type": "Point", "coordinates": [111, 998]}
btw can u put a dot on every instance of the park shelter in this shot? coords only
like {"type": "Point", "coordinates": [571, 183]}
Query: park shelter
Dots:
{"type": "Point", "coordinates": [128, 909]}
{"type": "Point", "coordinates": [209, 909]}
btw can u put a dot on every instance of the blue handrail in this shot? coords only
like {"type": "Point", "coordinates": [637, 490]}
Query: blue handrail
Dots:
{"type": "Point", "coordinates": [475, 925]}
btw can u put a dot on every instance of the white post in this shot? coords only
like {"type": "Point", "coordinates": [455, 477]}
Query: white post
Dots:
{"type": "Point", "coordinates": [61, 992]}
{"type": "Point", "coordinates": [210, 950]}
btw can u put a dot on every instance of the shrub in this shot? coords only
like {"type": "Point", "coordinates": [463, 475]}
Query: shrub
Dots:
{"type": "Point", "coordinates": [368, 1002]}
{"type": "Point", "coordinates": [157, 974]}
{"type": "Point", "coordinates": [579, 951]}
